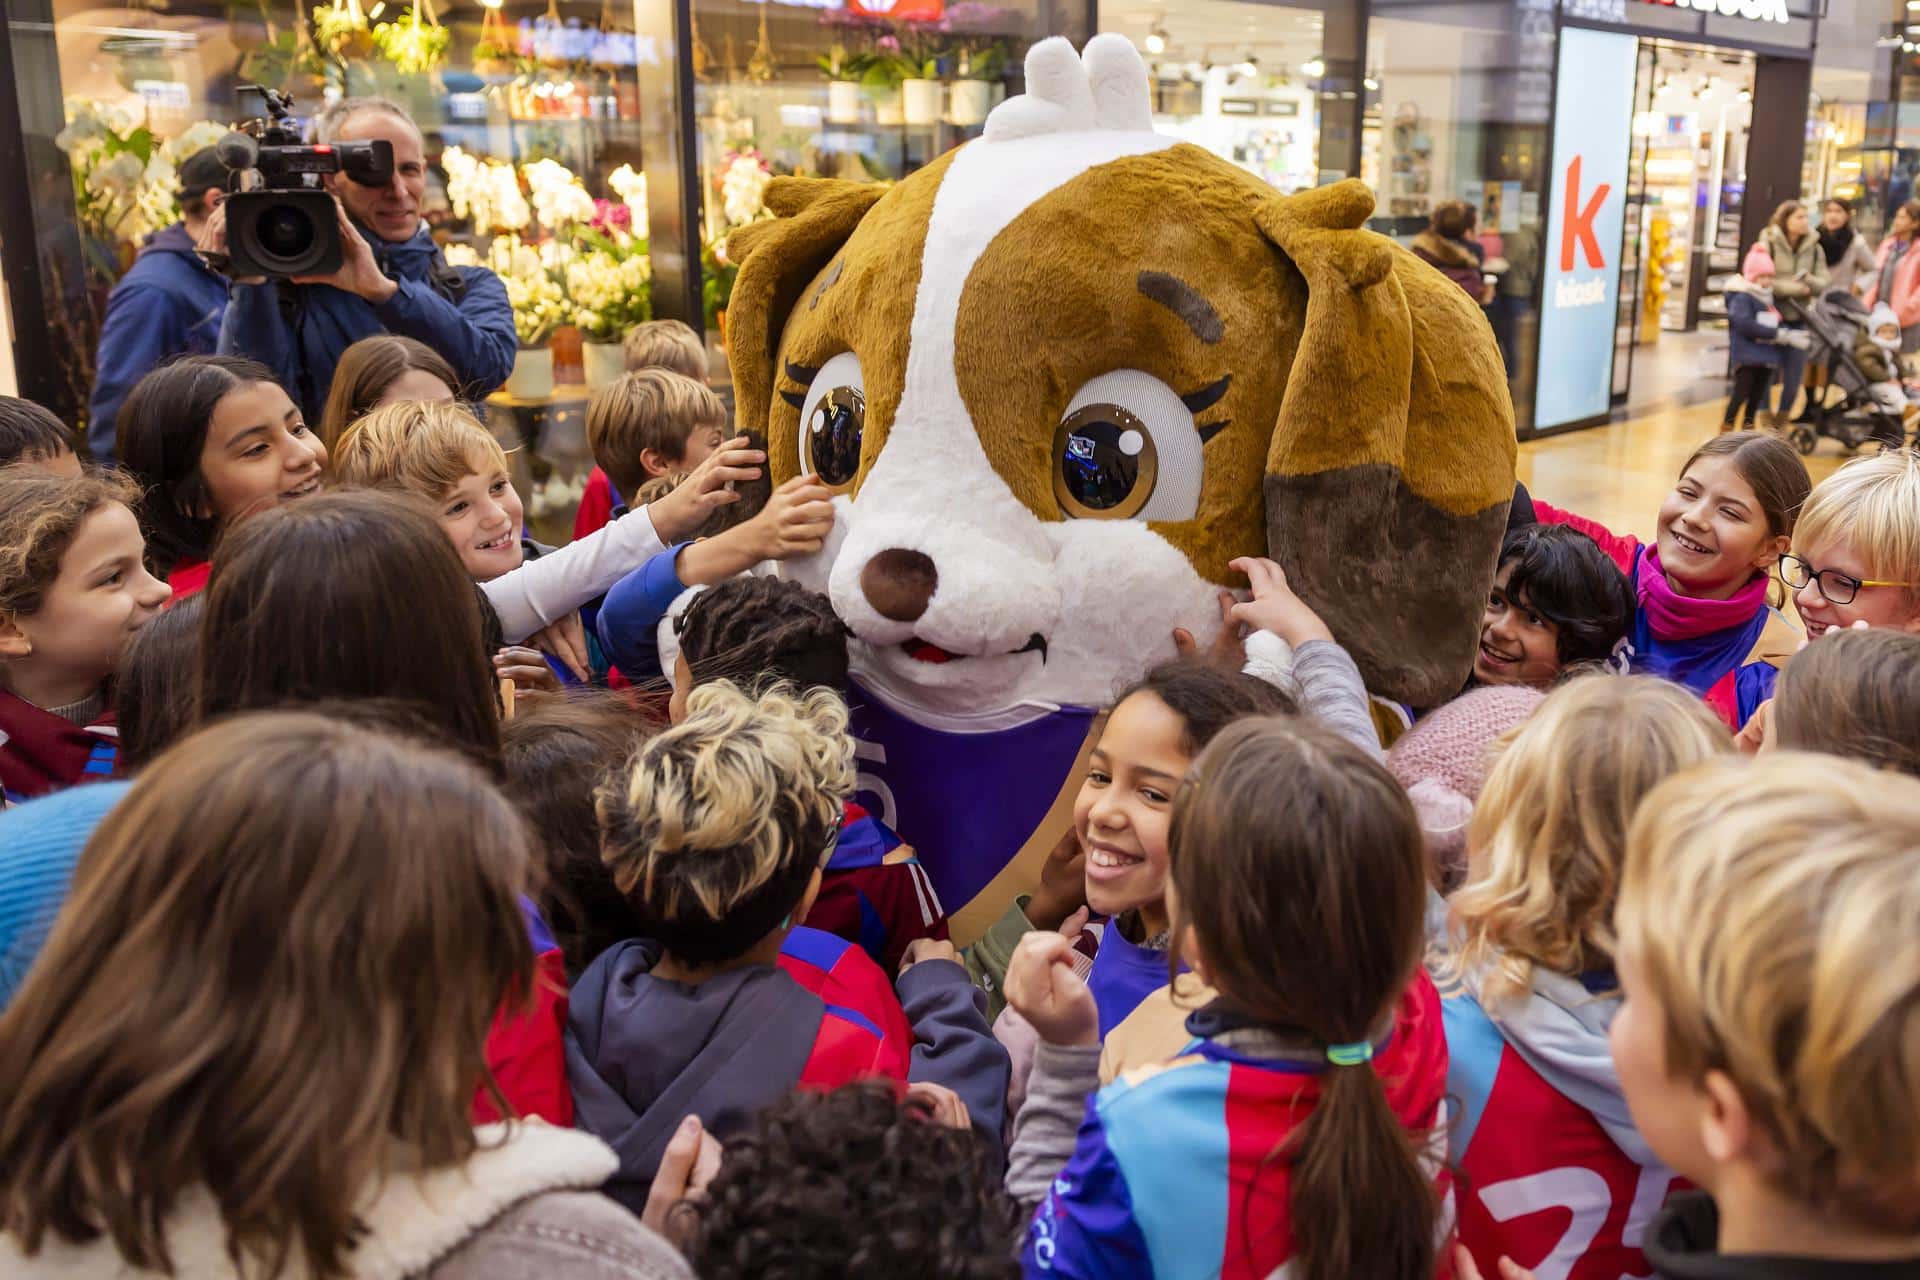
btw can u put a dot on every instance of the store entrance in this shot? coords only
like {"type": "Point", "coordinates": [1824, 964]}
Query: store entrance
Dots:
{"type": "Point", "coordinates": [1686, 183]}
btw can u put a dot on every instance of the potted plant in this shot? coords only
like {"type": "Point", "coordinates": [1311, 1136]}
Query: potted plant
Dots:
{"type": "Point", "coordinates": [610, 287]}
{"type": "Point", "coordinates": [981, 67]}
{"type": "Point", "coordinates": [883, 77]}
{"type": "Point", "coordinates": [843, 71]}
{"type": "Point", "coordinates": [922, 93]}
{"type": "Point", "coordinates": [416, 43]}
{"type": "Point", "coordinates": [539, 307]}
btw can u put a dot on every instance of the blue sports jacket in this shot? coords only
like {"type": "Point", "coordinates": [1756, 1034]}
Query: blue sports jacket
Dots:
{"type": "Point", "coordinates": [169, 303]}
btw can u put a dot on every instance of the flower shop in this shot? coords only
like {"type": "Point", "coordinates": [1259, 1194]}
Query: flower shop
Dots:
{"type": "Point", "coordinates": [596, 154]}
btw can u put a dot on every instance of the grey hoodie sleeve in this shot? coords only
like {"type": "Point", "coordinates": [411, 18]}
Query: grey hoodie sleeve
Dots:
{"type": "Point", "coordinates": [953, 1045]}
{"type": "Point", "coordinates": [1332, 692]}
{"type": "Point", "coordinates": [1044, 1134]}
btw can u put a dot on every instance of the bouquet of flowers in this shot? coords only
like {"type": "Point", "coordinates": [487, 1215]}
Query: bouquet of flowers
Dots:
{"type": "Point", "coordinates": [533, 283]}
{"type": "Point", "coordinates": [485, 191]}
{"type": "Point", "coordinates": [743, 187]}
{"type": "Point", "coordinates": [126, 182]}
{"type": "Point", "coordinates": [558, 198]}
{"type": "Point", "coordinates": [610, 288]}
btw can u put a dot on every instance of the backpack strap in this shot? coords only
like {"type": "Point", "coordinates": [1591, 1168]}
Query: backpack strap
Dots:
{"type": "Point", "coordinates": [445, 278]}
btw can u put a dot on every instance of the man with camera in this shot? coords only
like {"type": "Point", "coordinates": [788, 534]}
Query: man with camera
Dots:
{"type": "Point", "coordinates": [390, 277]}
{"type": "Point", "coordinates": [169, 302]}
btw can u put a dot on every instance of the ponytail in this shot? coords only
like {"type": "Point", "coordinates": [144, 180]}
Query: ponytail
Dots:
{"type": "Point", "coordinates": [1362, 1203]}
{"type": "Point", "coordinates": [1294, 855]}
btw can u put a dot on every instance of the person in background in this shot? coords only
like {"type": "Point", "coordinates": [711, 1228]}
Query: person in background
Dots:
{"type": "Point", "coordinates": [1896, 275]}
{"type": "Point", "coordinates": [1755, 340]}
{"type": "Point", "coordinates": [1447, 247]}
{"type": "Point", "coordinates": [381, 370]}
{"type": "Point", "coordinates": [393, 279]}
{"type": "Point", "coordinates": [1850, 264]}
{"type": "Point", "coordinates": [657, 344]}
{"type": "Point", "coordinates": [1799, 277]}
{"type": "Point", "coordinates": [32, 437]}
{"type": "Point", "coordinates": [170, 302]}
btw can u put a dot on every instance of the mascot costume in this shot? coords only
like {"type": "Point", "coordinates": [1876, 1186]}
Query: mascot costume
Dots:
{"type": "Point", "coordinates": [1056, 380]}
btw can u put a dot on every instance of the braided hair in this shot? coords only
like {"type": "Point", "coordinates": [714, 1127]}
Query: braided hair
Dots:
{"type": "Point", "coordinates": [760, 631]}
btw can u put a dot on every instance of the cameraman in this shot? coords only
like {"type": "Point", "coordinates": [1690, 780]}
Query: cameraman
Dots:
{"type": "Point", "coordinates": [168, 303]}
{"type": "Point", "coordinates": [394, 279]}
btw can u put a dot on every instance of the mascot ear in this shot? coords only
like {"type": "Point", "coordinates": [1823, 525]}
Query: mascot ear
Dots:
{"type": "Point", "coordinates": [777, 257]}
{"type": "Point", "coordinates": [1391, 468]}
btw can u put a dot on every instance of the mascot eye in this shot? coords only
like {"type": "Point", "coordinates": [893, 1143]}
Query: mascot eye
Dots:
{"type": "Point", "coordinates": [833, 418]}
{"type": "Point", "coordinates": [1127, 449]}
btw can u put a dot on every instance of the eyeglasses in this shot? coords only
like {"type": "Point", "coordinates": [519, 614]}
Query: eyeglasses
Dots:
{"type": "Point", "coordinates": [1837, 587]}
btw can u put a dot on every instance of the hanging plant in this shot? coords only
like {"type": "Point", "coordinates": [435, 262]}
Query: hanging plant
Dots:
{"type": "Point", "coordinates": [342, 29]}
{"type": "Point", "coordinates": [415, 44]}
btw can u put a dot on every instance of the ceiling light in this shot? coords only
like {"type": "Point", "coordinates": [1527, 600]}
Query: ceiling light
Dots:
{"type": "Point", "coordinates": [1156, 40]}
{"type": "Point", "coordinates": [1746, 95]}
{"type": "Point", "coordinates": [1248, 67]}
{"type": "Point", "coordinates": [1314, 68]}
{"type": "Point", "coordinates": [1371, 84]}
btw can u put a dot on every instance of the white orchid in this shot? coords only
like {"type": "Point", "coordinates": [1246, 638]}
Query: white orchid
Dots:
{"type": "Point", "coordinates": [743, 189]}
{"type": "Point", "coordinates": [631, 187]}
{"type": "Point", "coordinates": [611, 292]}
{"type": "Point", "coordinates": [485, 191]}
{"type": "Point", "coordinates": [558, 197]}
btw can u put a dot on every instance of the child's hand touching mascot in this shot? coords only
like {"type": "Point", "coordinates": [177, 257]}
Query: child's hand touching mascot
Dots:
{"type": "Point", "coordinates": [1057, 379]}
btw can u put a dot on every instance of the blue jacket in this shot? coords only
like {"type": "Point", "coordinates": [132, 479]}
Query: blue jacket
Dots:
{"type": "Point", "coordinates": [1751, 339]}
{"type": "Point", "coordinates": [476, 336]}
{"type": "Point", "coordinates": [169, 303]}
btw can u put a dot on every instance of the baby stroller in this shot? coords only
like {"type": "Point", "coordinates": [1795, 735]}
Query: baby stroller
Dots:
{"type": "Point", "coordinates": [1834, 324]}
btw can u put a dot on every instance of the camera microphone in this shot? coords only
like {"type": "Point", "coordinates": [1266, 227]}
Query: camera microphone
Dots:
{"type": "Point", "coordinates": [237, 151]}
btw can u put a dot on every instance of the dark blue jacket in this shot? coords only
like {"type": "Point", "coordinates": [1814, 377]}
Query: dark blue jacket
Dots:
{"type": "Point", "coordinates": [1751, 340]}
{"type": "Point", "coordinates": [476, 335]}
{"type": "Point", "coordinates": [168, 303]}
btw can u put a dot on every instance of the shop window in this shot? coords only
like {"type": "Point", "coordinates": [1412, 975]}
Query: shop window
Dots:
{"type": "Point", "coordinates": [1238, 77]}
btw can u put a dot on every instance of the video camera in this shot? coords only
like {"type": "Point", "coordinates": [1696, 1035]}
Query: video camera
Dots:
{"type": "Point", "coordinates": [287, 226]}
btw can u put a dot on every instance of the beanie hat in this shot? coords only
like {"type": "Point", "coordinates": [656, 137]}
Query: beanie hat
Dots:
{"type": "Point", "coordinates": [1759, 263]}
{"type": "Point", "coordinates": [1882, 316]}
{"type": "Point", "coordinates": [40, 842]}
{"type": "Point", "coordinates": [1444, 760]}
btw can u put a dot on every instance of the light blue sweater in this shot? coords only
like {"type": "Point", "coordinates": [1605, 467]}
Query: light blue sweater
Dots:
{"type": "Point", "coordinates": [40, 842]}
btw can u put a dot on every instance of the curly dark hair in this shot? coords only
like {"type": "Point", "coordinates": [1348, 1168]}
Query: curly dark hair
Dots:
{"type": "Point", "coordinates": [1562, 574]}
{"type": "Point", "coordinates": [853, 1184]}
{"type": "Point", "coordinates": [758, 631]}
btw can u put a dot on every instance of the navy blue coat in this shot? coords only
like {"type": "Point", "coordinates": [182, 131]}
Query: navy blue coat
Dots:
{"type": "Point", "coordinates": [476, 336]}
{"type": "Point", "coordinates": [1751, 340]}
{"type": "Point", "coordinates": [169, 303]}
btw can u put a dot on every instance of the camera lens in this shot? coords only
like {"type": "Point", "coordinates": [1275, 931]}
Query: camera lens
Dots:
{"type": "Point", "coordinates": [286, 231]}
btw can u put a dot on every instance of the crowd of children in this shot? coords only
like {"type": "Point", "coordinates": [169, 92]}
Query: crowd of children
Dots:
{"type": "Point", "coordinates": [384, 893]}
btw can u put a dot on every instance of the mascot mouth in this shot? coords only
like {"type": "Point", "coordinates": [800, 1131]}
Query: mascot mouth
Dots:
{"type": "Point", "coordinates": [926, 651]}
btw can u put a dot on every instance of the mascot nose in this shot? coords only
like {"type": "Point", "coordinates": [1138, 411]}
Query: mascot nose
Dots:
{"type": "Point", "coordinates": [899, 583]}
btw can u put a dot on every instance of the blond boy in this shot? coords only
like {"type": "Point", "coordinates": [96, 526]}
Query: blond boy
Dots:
{"type": "Point", "coordinates": [652, 422]}
{"type": "Point", "coordinates": [1769, 952]}
{"type": "Point", "coordinates": [1856, 547]}
{"type": "Point", "coordinates": [666, 344]}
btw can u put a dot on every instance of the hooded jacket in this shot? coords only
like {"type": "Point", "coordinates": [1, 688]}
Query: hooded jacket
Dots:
{"type": "Point", "coordinates": [1752, 323]}
{"type": "Point", "coordinates": [299, 331]}
{"type": "Point", "coordinates": [169, 303]}
{"type": "Point", "coordinates": [645, 1052]}
{"type": "Point", "coordinates": [1799, 272]}
{"type": "Point", "coordinates": [519, 1208]}
{"type": "Point", "coordinates": [1557, 1134]}
{"type": "Point", "coordinates": [1684, 1241]}
{"type": "Point", "coordinates": [1453, 260]}
{"type": "Point", "coordinates": [1879, 360]}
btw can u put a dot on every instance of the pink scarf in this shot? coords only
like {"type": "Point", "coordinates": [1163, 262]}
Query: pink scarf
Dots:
{"type": "Point", "coordinates": [1672, 616]}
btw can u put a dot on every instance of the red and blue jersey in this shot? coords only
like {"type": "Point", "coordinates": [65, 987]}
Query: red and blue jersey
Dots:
{"type": "Point", "coordinates": [1541, 1180]}
{"type": "Point", "coordinates": [1174, 1176]}
{"type": "Point", "coordinates": [863, 1032]}
{"type": "Point", "coordinates": [526, 1049]}
{"type": "Point", "coordinates": [874, 892]}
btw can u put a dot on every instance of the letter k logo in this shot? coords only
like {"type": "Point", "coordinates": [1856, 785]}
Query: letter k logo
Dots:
{"type": "Point", "coordinates": [1577, 223]}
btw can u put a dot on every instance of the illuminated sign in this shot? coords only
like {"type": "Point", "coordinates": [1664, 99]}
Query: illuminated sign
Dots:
{"type": "Point", "coordinates": [1751, 10]}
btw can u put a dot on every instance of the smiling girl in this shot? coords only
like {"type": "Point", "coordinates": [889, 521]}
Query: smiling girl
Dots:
{"type": "Point", "coordinates": [1701, 614]}
{"type": "Point", "coordinates": [74, 590]}
{"type": "Point", "coordinates": [212, 440]}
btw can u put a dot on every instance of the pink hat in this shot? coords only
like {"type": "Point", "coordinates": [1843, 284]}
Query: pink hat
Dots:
{"type": "Point", "coordinates": [1443, 761]}
{"type": "Point", "coordinates": [1759, 263]}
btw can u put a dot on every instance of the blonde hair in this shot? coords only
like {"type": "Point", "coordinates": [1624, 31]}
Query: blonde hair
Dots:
{"type": "Point", "coordinates": [1550, 827]}
{"type": "Point", "coordinates": [218, 962]}
{"type": "Point", "coordinates": [1872, 505]}
{"type": "Point", "coordinates": [1772, 910]}
{"type": "Point", "coordinates": [418, 447]}
{"type": "Point", "coordinates": [648, 409]}
{"type": "Point", "coordinates": [666, 344]}
{"type": "Point", "coordinates": [714, 828]}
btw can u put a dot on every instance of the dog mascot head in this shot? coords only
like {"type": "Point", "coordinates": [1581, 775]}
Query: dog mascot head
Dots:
{"type": "Point", "coordinates": [1061, 376]}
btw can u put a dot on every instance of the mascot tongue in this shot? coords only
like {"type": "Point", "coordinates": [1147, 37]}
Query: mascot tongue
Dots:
{"type": "Point", "coordinates": [925, 651]}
